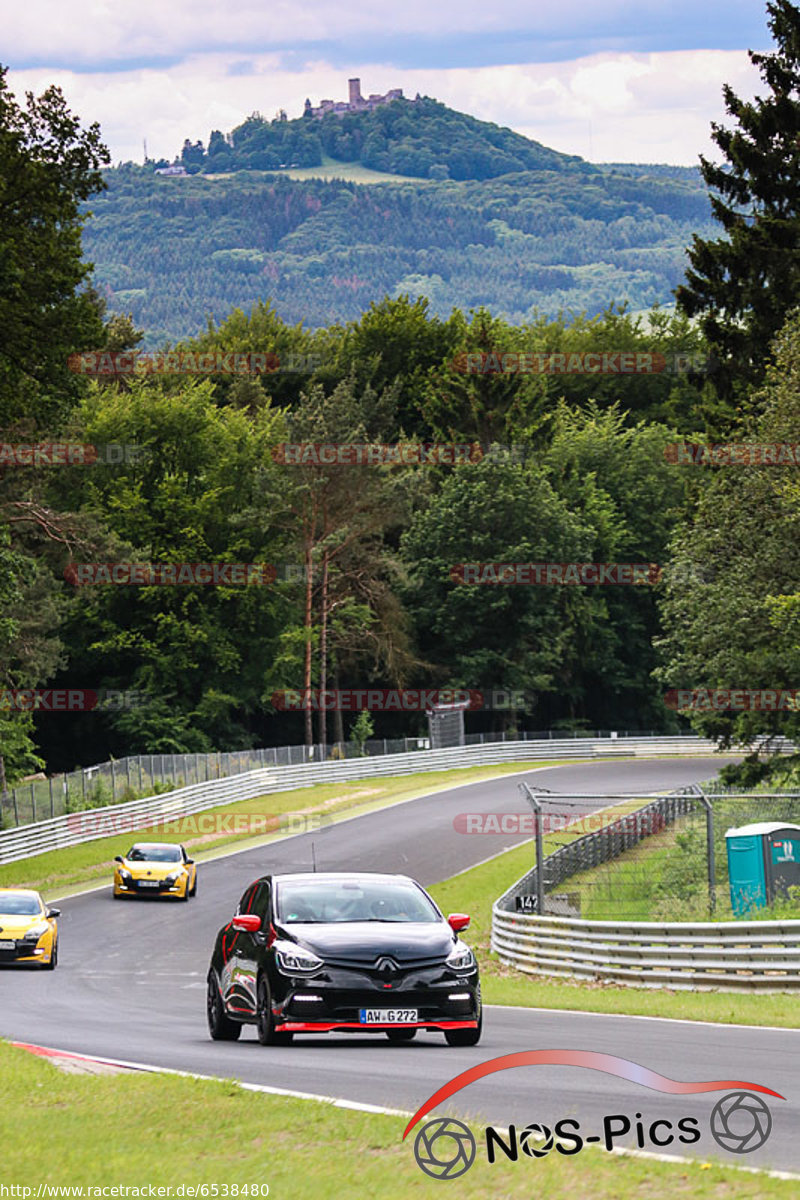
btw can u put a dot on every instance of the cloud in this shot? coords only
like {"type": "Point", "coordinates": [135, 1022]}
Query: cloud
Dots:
{"type": "Point", "coordinates": [84, 35]}
{"type": "Point", "coordinates": [654, 107]}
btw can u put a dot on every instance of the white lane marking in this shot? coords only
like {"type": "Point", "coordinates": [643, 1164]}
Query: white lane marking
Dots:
{"type": "Point", "coordinates": [271, 840]}
{"type": "Point", "coordinates": [362, 1106]}
{"type": "Point", "coordinates": [582, 1012]}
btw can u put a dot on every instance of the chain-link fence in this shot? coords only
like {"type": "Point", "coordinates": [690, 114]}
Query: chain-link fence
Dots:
{"type": "Point", "coordinates": [646, 859]}
{"type": "Point", "coordinates": [575, 843]}
{"type": "Point", "coordinates": [150, 774]}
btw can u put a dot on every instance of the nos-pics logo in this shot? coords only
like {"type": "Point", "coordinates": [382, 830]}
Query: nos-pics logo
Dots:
{"type": "Point", "coordinates": [445, 1148]}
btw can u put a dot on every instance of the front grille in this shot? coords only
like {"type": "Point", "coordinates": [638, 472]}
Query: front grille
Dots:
{"type": "Point", "coordinates": [22, 949]}
{"type": "Point", "coordinates": [366, 966]}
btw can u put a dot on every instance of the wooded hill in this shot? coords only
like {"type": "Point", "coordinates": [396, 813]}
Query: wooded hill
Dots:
{"type": "Point", "coordinates": [421, 137]}
{"type": "Point", "coordinates": [175, 251]}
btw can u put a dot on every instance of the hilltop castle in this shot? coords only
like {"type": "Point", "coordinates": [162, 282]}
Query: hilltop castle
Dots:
{"type": "Point", "coordinates": [356, 103]}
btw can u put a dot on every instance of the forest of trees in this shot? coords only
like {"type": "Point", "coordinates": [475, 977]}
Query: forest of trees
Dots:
{"type": "Point", "coordinates": [376, 603]}
{"type": "Point", "coordinates": [173, 252]}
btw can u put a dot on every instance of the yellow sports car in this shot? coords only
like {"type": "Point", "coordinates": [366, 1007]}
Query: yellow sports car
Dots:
{"type": "Point", "coordinates": [28, 929]}
{"type": "Point", "coordinates": [155, 869]}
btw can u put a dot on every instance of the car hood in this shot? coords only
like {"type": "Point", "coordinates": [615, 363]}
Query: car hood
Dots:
{"type": "Point", "coordinates": [364, 941]}
{"type": "Point", "coordinates": [13, 925]}
{"type": "Point", "coordinates": [151, 870]}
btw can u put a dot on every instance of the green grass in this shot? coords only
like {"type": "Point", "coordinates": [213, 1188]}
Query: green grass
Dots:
{"type": "Point", "coordinates": [658, 880]}
{"type": "Point", "coordinates": [58, 872]}
{"type": "Point", "coordinates": [476, 890]}
{"type": "Point", "coordinates": [162, 1130]}
{"type": "Point", "coordinates": [331, 168]}
{"type": "Point", "coordinates": [626, 887]}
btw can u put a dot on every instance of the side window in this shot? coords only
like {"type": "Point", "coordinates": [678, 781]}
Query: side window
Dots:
{"type": "Point", "coordinates": [261, 901]}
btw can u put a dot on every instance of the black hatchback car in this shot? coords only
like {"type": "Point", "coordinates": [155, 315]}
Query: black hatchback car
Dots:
{"type": "Point", "coordinates": [342, 952]}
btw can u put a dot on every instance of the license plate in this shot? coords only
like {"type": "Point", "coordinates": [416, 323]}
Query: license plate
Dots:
{"type": "Point", "coordinates": [148, 883]}
{"type": "Point", "coordinates": [387, 1016]}
{"type": "Point", "coordinates": [8, 945]}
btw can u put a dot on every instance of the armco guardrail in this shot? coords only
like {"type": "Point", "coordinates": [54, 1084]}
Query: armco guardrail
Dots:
{"type": "Point", "coordinates": [123, 779]}
{"type": "Point", "coordinates": [736, 956]}
{"type": "Point", "coordinates": [69, 830]}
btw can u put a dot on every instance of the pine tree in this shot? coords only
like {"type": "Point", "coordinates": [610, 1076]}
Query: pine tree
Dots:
{"type": "Point", "coordinates": [742, 286]}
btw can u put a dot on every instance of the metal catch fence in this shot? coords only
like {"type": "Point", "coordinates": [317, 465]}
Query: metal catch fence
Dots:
{"type": "Point", "coordinates": [137, 776]}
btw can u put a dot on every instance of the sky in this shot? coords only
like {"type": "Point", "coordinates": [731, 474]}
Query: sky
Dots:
{"type": "Point", "coordinates": [610, 80]}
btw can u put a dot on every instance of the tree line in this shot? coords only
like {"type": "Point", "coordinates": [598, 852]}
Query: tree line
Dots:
{"type": "Point", "coordinates": [375, 601]}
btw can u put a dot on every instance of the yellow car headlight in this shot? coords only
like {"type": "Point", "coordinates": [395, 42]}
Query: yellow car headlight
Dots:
{"type": "Point", "coordinates": [36, 931]}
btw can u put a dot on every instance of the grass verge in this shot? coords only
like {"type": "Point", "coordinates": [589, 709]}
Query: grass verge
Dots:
{"type": "Point", "coordinates": [664, 878]}
{"type": "Point", "coordinates": [476, 890]}
{"type": "Point", "coordinates": [163, 1130]}
{"type": "Point", "coordinates": [627, 887]}
{"type": "Point", "coordinates": [58, 872]}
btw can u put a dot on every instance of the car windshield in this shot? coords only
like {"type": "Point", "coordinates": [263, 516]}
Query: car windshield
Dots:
{"type": "Point", "coordinates": [19, 906]}
{"type": "Point", "coordinates": [325, 901]}
{"type": "Point", "coordinates": [165, 854]}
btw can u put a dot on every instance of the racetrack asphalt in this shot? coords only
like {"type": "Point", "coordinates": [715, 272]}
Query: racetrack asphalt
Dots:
{"type": "Point", "coordinates": [131, 985]}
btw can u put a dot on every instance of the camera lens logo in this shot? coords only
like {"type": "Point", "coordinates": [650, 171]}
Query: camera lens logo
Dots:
{"type": "Point", "coordinates": [444, 1148]}
{"type": "Point", "coordinates": [740, 1122]}
{"type": "Point", "coordinates": [536, 1140]}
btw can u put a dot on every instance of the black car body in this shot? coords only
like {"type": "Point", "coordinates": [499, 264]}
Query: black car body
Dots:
{"type": "Point", "coordinates": [342, 952]}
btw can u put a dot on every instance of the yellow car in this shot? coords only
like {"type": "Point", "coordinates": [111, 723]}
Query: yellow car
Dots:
{"type": "Point", "coordinates": [155, 869]}
{"type": "Point", "coordinates": [28, 929]}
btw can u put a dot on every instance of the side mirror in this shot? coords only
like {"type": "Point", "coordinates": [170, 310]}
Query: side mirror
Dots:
{"type": "Point", "coordinates": [53, 912]}
{"type": "Point", "coordinates": [117, 858]}
{"type": "Point", "coordinates": [458, 921]}
{"type": "Point", "coordinates": [188, 862]}
{"type": "Point", "coordinates": [247, 922]}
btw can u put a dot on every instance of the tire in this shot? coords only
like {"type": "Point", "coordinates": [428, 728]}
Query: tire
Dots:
{"type": "Point", "coordinates": [220, 1026]}
{"type": "Point", "coordinates": [401, 1035]}
{"type": "Point", "coordinates": [51, 966]}
{"type": "Point", "coordinates": [464, 1037]}
{"type": "Point", "coordinates": [186, 892]}
{"type": "Point", "coordinates": [193, 892]}
{"type": "Point", "coordinates": [265, 1023]}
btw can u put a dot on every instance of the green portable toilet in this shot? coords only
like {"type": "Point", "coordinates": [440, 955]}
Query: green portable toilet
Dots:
{"type": "Point", "coordinates": [763, 862]}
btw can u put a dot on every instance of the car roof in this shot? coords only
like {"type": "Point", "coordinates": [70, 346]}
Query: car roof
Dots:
{"type": "Point", "coordinates": [19, 892]}
{"type": "Point", "coordinates": [334, 876]}
{"type": "Point", "coordinates": [155, 845]}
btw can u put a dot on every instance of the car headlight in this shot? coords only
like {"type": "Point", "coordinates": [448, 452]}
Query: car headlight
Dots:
{"type": "Point", "coordinates": [124, 875]}
{"type": "Point", "coordinates": [173, 878]}
{"type": "Point", "coordinates": [36, 932]}
{"type": "Point", "coordinates": [294, 960]}
{"type": "Point", "coordinates": [460, 958]}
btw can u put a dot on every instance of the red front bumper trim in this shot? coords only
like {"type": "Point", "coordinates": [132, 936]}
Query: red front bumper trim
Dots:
{"type": "Point", "coordinates": [331, 1026]}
